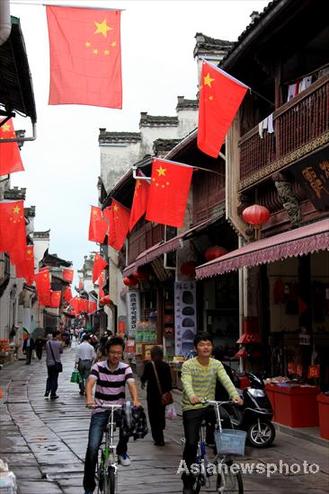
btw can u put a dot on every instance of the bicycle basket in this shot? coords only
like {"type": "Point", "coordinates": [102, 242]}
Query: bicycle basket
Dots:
{"type": "Point", "coordinates": [230, 442]}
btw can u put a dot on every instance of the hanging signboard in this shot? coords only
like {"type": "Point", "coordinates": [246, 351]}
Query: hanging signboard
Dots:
{"type": "Point", "coordinates": [185, 316]}
{"type": "Point", "coordinates": [134, 313]}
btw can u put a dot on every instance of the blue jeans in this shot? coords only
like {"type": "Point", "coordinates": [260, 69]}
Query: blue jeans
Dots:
{"type": "Point", "coordinates": [97, 427]}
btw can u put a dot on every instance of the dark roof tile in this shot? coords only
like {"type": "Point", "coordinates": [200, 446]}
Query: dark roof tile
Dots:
{"type": "Point", "coordinates": [152, 121]}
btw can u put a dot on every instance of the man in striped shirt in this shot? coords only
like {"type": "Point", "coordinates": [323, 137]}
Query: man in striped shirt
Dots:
{"type": "Point", "coordinates": [199, 377]}
{"type": "Point", "coordinates": [109, 378]}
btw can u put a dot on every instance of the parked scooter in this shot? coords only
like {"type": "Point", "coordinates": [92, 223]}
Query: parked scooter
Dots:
{"type": "Point", "coordinates": [255, 416]}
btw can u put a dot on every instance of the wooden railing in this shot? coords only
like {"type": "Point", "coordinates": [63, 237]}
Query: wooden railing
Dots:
{"type": "Point", "coordinates": [300, 126]}
{"type": "Point", "coordinates": [143, 238]}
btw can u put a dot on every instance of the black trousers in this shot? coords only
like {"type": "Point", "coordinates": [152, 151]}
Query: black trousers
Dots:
{"type": "Point", "coordinates": [52, 380]}
{"type": "Point", "coordinates": [156, 413]}
{"type": "Point", "coordinates": [192, 420]}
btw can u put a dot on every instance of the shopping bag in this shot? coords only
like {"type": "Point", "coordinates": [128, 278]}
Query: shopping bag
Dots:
{"type": "Point", "coordinates": [171, 413]}
{"type": "Point", "coordinates": [75, 376]}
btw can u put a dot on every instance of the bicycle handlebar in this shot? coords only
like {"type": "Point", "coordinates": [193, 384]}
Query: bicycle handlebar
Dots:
{"type": "Point", "coordinates": [219, 403]}
{"type": "Point", "coordinates": [105, 407]}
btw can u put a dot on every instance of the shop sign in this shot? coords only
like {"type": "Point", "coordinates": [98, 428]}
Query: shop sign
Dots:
{"type": "Point", "coordinates": [313, 371]}
{"type": "Point", "coordinates": [185, 316]}
{"type": "Point", "coordinates": [133, 306]}
{"type": "Point", "coordinates": [313, 175]}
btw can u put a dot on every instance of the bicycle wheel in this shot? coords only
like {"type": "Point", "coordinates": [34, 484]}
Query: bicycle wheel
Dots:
{"type": "Point", "coordinates": [110, 484]}
{"type": "Point", "coordinates": [100, 477]}
{"type": "Point", "coordinates": [229, 482]}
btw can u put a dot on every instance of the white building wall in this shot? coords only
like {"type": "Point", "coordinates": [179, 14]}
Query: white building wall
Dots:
{"type": "Point", "coordinates": [40, 247]}
{"type": "Point", "coordinates": [150, 134]}
{"type": "Point", "coordinates": [115, 161]}
{"type": "Point", "coordinates": [187, 121]}
{"type": "Point", "coordinates": [9, 304]}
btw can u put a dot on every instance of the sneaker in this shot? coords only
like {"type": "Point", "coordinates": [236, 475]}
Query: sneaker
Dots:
{"type": "Point", "coordinates": [46, 394]}
{"type": "Point", "coordinates": [54, 397]}
{"type": "Point", "coordinates": [124, 460]}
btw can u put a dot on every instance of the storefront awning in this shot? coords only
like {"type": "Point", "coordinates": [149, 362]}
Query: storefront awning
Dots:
{"type": "Point", "coordinates": [298, 242]}
{"type": "Point", "coordinates": [164, 247]}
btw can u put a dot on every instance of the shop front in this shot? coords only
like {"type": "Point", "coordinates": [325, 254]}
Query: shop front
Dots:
{"type": "Point", "coordinates": [292, 318]}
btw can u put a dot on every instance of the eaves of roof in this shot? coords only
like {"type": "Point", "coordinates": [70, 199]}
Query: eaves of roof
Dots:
{"type": "Point", "coordinates": [16, 91]}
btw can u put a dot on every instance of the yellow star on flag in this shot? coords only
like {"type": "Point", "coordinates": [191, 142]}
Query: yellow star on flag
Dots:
{"type": "Point", "coordinates": [5, 127]}
{"type": "Point", "coordinates": [161, 171]}
{"type": "Point", "coordinates": [102, 28]}
{"type": "Point", "coordinates": [16, 210]}
{"type": "Point", "coordinates": [207, 80]}
{"type": "Point", "coordinates": [115, 208]}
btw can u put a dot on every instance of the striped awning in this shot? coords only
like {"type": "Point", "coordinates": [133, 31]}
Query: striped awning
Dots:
{"type": "Point", "coordinates": [300, 241]}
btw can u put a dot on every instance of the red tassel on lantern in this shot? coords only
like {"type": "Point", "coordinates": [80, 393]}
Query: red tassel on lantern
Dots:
{"type": "Point", "coordinates": [214, 252]}
{"type": "Point", "coordinates": [256, 215]}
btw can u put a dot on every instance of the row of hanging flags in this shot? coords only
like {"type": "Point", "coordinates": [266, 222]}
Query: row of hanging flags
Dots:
{"type": "Point", "coordinates": [85, 69]}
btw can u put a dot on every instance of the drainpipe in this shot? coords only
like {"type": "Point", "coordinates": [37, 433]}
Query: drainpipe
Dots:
{"type": "Point", "coordinates": [5, 21]}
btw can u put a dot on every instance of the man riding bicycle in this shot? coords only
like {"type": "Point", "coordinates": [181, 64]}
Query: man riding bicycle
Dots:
{"type": "Point", "coordinates": [110, 377]}
{"type": "Point", "coordinates": [199, 376]}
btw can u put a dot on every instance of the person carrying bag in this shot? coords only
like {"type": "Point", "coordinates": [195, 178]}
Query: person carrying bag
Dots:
{"type": "Point", "coordinates": [54, 365]}
{"type": "Point", "coordinates": [158, 377]}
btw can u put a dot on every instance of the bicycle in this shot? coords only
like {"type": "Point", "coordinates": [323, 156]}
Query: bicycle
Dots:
{"type": "Point", "coordinates": [107, 465]}
{"type": "Point", "coordinates": [228, 480]}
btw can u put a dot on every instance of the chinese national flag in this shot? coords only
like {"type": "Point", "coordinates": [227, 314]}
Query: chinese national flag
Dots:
{"type": "Point", "coordinates": [118, 217]}
{"type": "Point", "coordinates": [85, 56]}
{"type": "Point", "coordinates": [12, 229]}
{"type": "Point", "coordinates": [67, 294]}
{"type": "Point", "coordinates": [25, 268]}
{"type": "Point", "coordinates": [219, 100]}
{"type": "Point", "coordinates": [54, 299]}
{"type": "Point", "coordinates": [101, 284]}
{"type": "Point", "coordinates": [68, 275]}
{"type": "Point", "coordinates": [138, 208]}
{"type": "Point", "coordinates": [10, 156]}
{"type": "Point", "coordinates": [99, 265]}
{"type": "Point", "coordinates": [42, 281]}
{"type": "Point", "coordinates": [97, 225]}
{"type": "Point", "coordinates": [168, 194]}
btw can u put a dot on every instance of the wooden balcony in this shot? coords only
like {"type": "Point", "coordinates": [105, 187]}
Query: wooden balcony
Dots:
{"type": "Point", "coordinates": [300, 127]}
{"type": "Point", "coordinates": [143, 238]}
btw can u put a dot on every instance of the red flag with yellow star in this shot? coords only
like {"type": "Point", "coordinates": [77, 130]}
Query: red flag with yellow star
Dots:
{"type": "Point", "coordinates": [42, 282]}
{"type": "Point", "coordinates": [97, 225]}
{"type": "Point", "coordinates": [85, 56]}
{"type": "Point", "coordinates": [168, 194]}
{"type": "Point", "coordinates": [219, 100]}
{"type": "Point", "coordinates": [25, 268]}
{"type": "Point", "coordinates": [10, 156]}
{"type": "Point", "coordinates": [54, 299]}
{"type": "Point", "coordinates": [99, 265]}
{"type": "Point", "coordinates": [138, 208]}
{"type": "Point", "coordinates": [12, 228]}
{"type": "Point", "coordinates": [67, 294]}
{"type": "Point", "coordinates": [118, 216]}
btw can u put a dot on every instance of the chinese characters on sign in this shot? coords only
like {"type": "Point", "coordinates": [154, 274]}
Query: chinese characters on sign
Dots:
{"type": "Point", "coordinates": [185, 317]}
{"type": "Point", "coordinates": [313, 175]}
{"type": "Point", "coordinates": [133, 304]}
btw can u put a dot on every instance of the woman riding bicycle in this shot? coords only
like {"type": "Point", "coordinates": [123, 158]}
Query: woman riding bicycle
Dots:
{"type": "Point", "coordinates": [199, 377]}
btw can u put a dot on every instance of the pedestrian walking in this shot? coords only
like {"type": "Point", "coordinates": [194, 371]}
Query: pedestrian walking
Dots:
{"type": "Point", "coordinates": [39, 344]}
{"type": "Point", "coordinates": [54, 349]}
{"type": "Point", "coordinates": [84, 358]}
{"type": "Point", "coordinates": [109, 377]}
{"type": "Point", "coordinates": [158, 378]}
{"type": "Point", "coordinates": [29, 349]}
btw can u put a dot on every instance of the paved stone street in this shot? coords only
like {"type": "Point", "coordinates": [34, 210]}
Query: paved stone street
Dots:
{"type": "Point", "coordinates": [44, 443]}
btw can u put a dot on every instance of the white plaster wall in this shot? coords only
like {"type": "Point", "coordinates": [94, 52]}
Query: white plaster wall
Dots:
{"type": "Point", "coordinates": [187, 121]}
{"type": "Point", "coordinates": [150, 134]}
{"type": "Point", "coordinates": [8, 307]}
{"type": "Point", "coordinates": [40, 246]}
{"type": "Point", "coordinates": [116, 160]}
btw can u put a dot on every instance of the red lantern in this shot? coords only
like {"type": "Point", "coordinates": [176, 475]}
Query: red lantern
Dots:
{"type": "Point", "coordinates": [130, 281]}
{"type": "Point", "coordinates": [105, 300]}
{"type": "Point", "coordinates": [188, 268]}
{"type": "Point", "coordinates": [214, 252]}
{"type": "Point", "coordinates": [256, 215]}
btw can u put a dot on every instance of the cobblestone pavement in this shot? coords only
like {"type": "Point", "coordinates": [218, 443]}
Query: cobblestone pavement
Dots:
{"type": "Point", "coordinates": [44, 443]}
